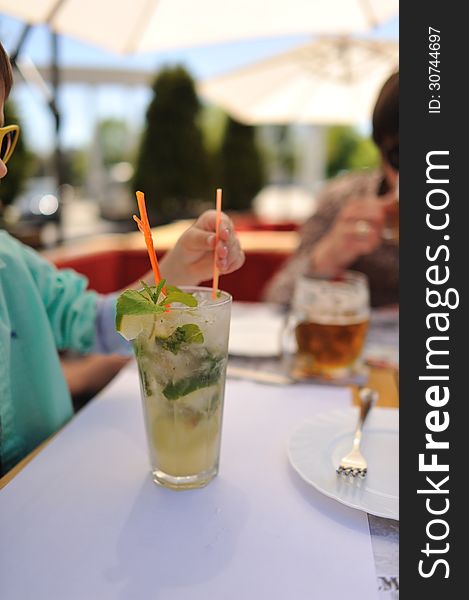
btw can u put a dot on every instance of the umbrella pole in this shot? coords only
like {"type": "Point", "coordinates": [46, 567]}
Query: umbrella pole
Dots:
{"type": "Point", "coordinates": [52, 101]}
{"type": "Point", "coordinates": [14, 55]}
{"type": "Point", "coordinates": [58, 154]}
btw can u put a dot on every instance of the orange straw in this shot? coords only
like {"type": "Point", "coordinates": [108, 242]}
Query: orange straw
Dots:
{"type": "Point", "coordinates": [144, 227]}
{"type": "Point", "coordinates": [216, 273]}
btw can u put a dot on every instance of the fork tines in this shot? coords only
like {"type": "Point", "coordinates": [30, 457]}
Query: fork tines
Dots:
{"type": "Point", "coordinates": [354, 472]}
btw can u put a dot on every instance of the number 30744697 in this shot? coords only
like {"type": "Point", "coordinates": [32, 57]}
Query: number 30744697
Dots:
{"type": "Point", "coordinates": [434, 75]}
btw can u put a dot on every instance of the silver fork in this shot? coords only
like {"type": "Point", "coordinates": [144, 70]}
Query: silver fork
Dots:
{"type": "Point", "coordinates": [353, 463]}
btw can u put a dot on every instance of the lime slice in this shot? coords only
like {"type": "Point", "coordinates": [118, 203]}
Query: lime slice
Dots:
{"type": "Point", "coordinates": [130, 326]}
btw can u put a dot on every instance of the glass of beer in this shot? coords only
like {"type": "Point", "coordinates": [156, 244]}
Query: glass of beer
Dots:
{"type": "Point", "coordinates": [327, 325]}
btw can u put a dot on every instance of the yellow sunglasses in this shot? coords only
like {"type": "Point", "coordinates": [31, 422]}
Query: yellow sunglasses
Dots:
{"type": "Point", "coordinates": [8, 138]}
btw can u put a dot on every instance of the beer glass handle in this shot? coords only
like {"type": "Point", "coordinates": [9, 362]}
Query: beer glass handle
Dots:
{"type": "Point", "coordinates": [288, 342]}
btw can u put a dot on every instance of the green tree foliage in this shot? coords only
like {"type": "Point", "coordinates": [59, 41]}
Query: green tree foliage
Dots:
{"type": "Point", "coordinates": [19, 165]}
{"type": "Point", "coordinates": [172, 165]}
{"type": "Point", "coordinates": [114, 140]}
{"type": "Point", "coordinates": [242, 168]}
{"type": "Point", "coordinates": [76, 162]}
{"type": "Point", "coordinates": [286, 158]}
{"type": "Point", "coordinates": [348, 150]}
{"type": "Point", "coordinates": [212, 122]}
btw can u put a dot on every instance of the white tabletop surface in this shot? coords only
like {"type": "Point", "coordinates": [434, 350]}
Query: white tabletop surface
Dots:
{"type": "Point", "coordinates": [85, 521]}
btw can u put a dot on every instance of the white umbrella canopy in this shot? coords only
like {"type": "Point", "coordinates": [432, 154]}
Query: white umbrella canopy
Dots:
{"type": "Point", "coordinates": [329, 81]}
{"type": "Point", "coordinates": [128, 26]}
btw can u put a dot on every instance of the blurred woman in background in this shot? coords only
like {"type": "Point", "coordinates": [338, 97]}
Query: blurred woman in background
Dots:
{"type": "Point", "coordinates": [348, 231]}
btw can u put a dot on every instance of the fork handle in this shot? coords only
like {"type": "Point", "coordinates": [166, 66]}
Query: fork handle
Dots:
{"type": "Point", "coordinates": [368, 397]}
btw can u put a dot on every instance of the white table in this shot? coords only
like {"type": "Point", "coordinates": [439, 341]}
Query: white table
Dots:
{"type": "Point", "coordinates": [85, 521]}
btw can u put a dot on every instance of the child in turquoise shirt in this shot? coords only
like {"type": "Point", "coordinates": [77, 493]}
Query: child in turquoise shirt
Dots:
{"type": "Point", "coordinates": [44, 310]}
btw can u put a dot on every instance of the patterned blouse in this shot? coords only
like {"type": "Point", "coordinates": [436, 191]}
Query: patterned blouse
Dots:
{"type": "Point", "coordinates": [381, 266]}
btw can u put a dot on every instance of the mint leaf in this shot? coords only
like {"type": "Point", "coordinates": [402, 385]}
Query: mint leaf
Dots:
{"type": "Point", "coordinates": [137, 302]}
{"type": "Point", "coordinates": [154, 292]}
{"type": "Point", "coordinates": [132, 302]}
{"type": "Point", "coordinates": [206, 376]}
{"type": "Point", "coordinates": [172, 288]}
{"type": "Point", "coordinates": [186, 334]}
{"type": "Point", "coordinates": [159, 289]}
{"type": "Point", "coordinates": [193, 333]}
{"type": "Point", "coordinates": [145, 383]}
{"type": "Point", "coordinates": [148, 290]}
{"type": "Point", "coordinates": [182, 297]}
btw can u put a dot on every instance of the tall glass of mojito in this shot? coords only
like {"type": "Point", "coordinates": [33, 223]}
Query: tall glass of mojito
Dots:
{"type": "Point", "coordinates": [180, 341]}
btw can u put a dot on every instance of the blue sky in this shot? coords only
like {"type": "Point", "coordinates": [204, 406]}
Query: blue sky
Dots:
{"type": "Point", "coordinates": [82, 105]}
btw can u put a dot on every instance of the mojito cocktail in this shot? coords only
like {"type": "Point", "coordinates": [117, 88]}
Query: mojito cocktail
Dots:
{"type": "Point", "coordinates": [181, 355]}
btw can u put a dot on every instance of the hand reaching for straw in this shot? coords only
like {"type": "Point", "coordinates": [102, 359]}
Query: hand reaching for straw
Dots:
{"type": "Point", "coordinates": [191, 260]}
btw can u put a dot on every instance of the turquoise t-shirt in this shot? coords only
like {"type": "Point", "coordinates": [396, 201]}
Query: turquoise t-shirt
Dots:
{"type": "Point", "coordinates": [42, 310]}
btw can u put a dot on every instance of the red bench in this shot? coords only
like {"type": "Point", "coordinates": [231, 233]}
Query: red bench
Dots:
{"type": "Point", "coordinates": [113, 270]}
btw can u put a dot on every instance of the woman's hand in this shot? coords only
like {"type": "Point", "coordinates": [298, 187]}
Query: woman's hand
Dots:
{"type": "Point", "coordinates": [356, 231]}
{"type": "Point", "coordinates": [191, 259]}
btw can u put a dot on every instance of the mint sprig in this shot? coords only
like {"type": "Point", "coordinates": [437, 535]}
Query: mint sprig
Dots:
{"type": "Point", "coordinates": [181, 337]}
{"type": "Point", "coordinates": [151, 300]}
{"type": "Point", "coordinates": [207, 375]}
{"type": "Point", "coordinates": [153, 296]}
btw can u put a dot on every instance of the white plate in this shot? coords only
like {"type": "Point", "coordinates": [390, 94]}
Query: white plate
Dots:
{"type": "Point", "coordinates": [255, 329]}
{"type": "Point", "coordinates": [316, 448]}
